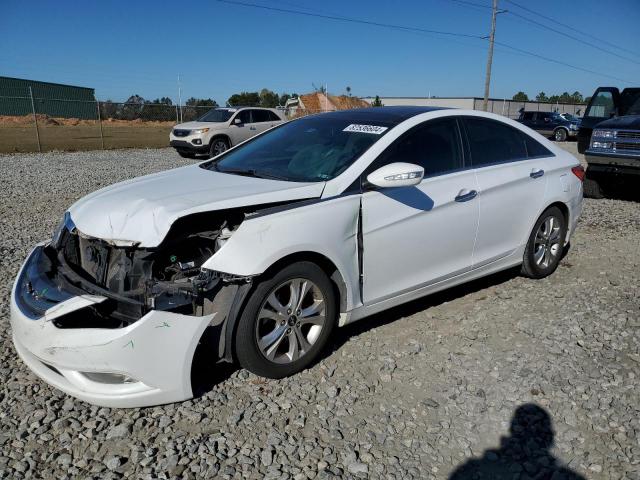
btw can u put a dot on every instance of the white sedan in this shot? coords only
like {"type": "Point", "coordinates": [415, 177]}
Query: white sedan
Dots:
{"type": "Point", "coordinates": [258, 254]}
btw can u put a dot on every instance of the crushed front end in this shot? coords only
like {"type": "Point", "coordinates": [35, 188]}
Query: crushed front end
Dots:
{"type": "Point", "coordinates": [117, 325]}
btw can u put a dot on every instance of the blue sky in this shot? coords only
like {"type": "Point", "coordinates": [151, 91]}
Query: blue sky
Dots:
{"type": "Point", "coordinates": [126, 47]}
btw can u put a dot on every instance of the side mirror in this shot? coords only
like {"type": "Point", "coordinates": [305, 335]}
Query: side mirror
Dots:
{"type": "Point", "coordinates": [237, 121]}
{"type": "Point", "coordinates": [397, 174]}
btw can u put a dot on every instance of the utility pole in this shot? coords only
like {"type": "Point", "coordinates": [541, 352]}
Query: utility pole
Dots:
{"type": "Point", "coordinates": [180, 97]}
{"type": "Point", "coordinates": [487, 79]}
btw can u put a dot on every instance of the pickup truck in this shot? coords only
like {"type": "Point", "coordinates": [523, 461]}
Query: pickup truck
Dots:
{"type": "Point", "coordinates": [609, 136]}
{"type": "Point", "coordinates": [550, 124]}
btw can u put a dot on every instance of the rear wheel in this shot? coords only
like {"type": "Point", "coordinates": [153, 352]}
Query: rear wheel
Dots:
{"type": "Point", "coordinates": [545, 246]}
{"type": "Point", "coordinates": [217, 146]}
{"type": "Point", "coordinates": [560, 135]}
{"type": "Point", "coordinates": [286, 322]}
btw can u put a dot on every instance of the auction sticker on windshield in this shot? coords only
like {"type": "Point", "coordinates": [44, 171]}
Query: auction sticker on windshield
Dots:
{"type": "Point", "coordinates": [374, 129]}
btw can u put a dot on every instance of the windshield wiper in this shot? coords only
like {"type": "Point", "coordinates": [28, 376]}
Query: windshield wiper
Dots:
{"type": "Point", "coordinates": [251, 173]}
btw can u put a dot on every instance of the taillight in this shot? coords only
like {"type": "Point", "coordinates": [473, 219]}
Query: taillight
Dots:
{"type": "Point", "coordinates": [579, 172]}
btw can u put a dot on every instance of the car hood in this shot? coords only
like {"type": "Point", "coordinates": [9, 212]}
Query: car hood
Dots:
{"type": "Point", "coordinates": [141, 211]}
{"type": "Point", "coordinates": [194, 125]}
{"type": "Point", "coordinates": [628, 121]}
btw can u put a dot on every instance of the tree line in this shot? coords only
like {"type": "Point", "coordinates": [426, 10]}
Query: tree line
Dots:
{"type": "Point", "coordinates": [565, 97]}
{"type": "Point", "coordinates": [163, 108]}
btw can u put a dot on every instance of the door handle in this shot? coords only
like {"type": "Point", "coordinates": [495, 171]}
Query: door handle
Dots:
{"type": "Point", "coordinates": [465, 195]}
{"type": "Point", "coordinates": [536, 173]}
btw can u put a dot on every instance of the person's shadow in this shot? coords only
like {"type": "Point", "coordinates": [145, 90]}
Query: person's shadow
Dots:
{"type": "Point", "coordinates": [523, 454]}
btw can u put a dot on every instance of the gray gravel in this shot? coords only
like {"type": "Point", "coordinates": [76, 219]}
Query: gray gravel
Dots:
{"type": "Point", "coordinates": [417, 392]}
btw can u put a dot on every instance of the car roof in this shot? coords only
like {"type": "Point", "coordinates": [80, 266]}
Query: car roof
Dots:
{"type": "Point", "coordinates": [391, 115]}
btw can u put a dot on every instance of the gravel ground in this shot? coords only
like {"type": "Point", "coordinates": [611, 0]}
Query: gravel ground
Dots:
{"type": "Point", "coordinates": [508, 377]}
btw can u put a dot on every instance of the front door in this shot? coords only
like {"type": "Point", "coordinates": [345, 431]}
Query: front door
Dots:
{"type": "Point", "coordinates": [415, 236]}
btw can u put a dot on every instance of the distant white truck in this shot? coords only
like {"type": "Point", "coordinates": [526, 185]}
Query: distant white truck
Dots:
{"type": "Point", "coordinates": [222, 128]}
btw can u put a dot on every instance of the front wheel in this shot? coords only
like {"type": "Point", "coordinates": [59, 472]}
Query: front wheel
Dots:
{"type": "Point", "coordinates": [546, 243]}
{"type": "Point", "coordinates": [286, 321]}
{"type": "Point", "coordinates": [217, 146]}
{"type": "Point", "coordinates": [560, 135]}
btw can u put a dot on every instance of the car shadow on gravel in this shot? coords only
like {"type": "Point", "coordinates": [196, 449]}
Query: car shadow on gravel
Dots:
{"type": "Point", "coordinates": [341, 335]}
{"type": "Point", "coordinates": [526, 451]}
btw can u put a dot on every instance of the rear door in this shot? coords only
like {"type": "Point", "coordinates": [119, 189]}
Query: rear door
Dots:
{"type": "Point", "coordinates": [263, 120]}
{"type": "Point", "coordinates": [511, 187]}
{"type": "Point", "coordinates": [603, 105]}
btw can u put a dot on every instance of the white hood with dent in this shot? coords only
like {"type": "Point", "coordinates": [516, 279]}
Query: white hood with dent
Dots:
{"type": "Point", "coordinates": [141, 210]}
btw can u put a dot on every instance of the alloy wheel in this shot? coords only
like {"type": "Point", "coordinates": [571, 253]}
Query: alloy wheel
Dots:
{"type": "Point", "coordinates": [218, 147]}
{"type": "Point", "coordinates": [547, 242]}
{"type": "Point", "coordinates": [290, 320]}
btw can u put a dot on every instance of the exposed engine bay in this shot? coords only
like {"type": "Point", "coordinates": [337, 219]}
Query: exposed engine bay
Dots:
{"type": "Point", "coordinates": [136, 280]}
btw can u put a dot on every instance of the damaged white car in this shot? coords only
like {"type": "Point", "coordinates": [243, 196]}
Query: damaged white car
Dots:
{"type": "Point", "coordinates": [259, 253]}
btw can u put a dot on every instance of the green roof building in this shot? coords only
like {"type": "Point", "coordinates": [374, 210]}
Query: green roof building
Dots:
{"type": "Point", "coordinates": [52, 99]}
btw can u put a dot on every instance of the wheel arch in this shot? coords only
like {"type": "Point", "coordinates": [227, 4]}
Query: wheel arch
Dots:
{"type": "Point", "coordinates": [325, 263]}
{"type": "Point", "coordinates": [220, 135]}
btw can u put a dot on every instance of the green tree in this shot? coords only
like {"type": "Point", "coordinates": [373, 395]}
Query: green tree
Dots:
{"type": "Point", "coordinates": [377, 102]}
{"type": "Point", "coordinates": [244, 99]}
{"type": "Point", "coordinates": [542, 97]}
{"type": "Point", "coordinates": [520, 97]}
{"type": "Point", "coordinates": [577, 97]}
{"type": "Point", "coordinates": [201, 102]}
{"type": "Point", "coordinates": [269, 99]}
{"type": "Point", "coordinates": [348, 91]}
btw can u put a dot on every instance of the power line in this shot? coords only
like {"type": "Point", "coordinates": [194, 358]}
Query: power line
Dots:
{"type": "Point", "coordinates": [416, 29]}
{"type": "Point", "coordinates": [542, 57]}
{"type": "Point", "coordinates": [547, 27]}
{"type": "Point", "coordinates": [351, 20]}
{"type": "Point", "coordinates": [542, 25]}
{"type": "Point", "coordinates": [586, 34]}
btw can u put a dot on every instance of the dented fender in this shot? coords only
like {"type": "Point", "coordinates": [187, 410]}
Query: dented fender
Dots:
{"type": "Point", "coordinates": [328, 227]}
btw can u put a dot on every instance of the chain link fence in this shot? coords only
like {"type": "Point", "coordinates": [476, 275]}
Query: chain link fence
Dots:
{"type": "Point", "coordinates": [30, 124]}
{"type": "Point", "coordinates": [42, 124]}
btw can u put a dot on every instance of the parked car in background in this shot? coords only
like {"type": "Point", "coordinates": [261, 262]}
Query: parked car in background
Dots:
{"type": "Point", "coordinates": [610, 139]}
{"type": "Point", "coordinates": [571, 118]}
{"type": "Point", "coordinates": [258, 254]}
{"type": "Point", "coordinates": [222, 128]}
{"type": "Point", "coordinates": [550, 124]}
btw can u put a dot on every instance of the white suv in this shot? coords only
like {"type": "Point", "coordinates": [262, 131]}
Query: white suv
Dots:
{"type": "Point", "coordinates": [220, 129]}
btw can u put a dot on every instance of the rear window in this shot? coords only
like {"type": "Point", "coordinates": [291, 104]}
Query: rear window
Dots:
{"type": "Point", "coordinates": [493, 142]}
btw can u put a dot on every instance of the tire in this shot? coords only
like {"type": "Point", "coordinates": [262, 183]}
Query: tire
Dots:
{"type": "Point", "coordinates": [217, 146]}
{"type": "Point", "coordinates": [560, 135]}
{"type": "Point", "coordinates": [545, 247]}
{"type": "Point", "coordinates": [592, 189]}
{"type": "Point", "coordinates": [186, 154]}
{"type": "Point", "coordinates": [268, 340]}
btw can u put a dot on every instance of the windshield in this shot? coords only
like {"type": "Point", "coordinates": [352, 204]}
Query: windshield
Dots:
{"type": "Point", "coordinates": [634, 107]}
{"type": "Point", "coordinates": [310, 149]}
{"type": "Point", "coordinates": [216, 115]}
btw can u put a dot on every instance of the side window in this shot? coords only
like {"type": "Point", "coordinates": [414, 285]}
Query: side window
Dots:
{"type": "Point", "coordinates": [245, 116]}
{"type": "Point", "coordinates": [601, 106]}
{"type": "Point", "coordinates": [434, 145]}
{"type": "Point", "coordinates": [273, 117]}
{"type": "Point", "coordinates": [534, 148]}
{"type": "Point", "coordinates": [493, 142]}
{"type": "Point", "coordinates": [260, 116]}
{"type": "Point", "coordinates": [527, 116]}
